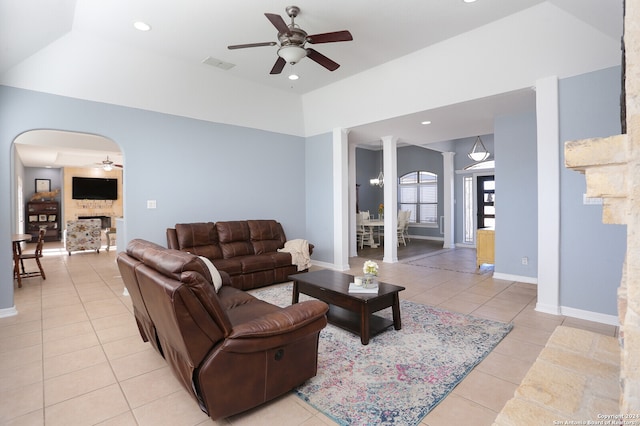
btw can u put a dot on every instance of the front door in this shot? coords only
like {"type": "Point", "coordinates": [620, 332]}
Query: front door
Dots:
{"type": "Point", "coordinates": [486, 201]}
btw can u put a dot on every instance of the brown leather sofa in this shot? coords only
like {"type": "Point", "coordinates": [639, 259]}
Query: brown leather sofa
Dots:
{"type": "Point", "coordinates": [245, 249]}
{"type": "Point", "coordinates": [230, 350]}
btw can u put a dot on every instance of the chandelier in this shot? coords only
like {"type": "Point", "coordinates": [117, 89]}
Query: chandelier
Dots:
{"type": "Point", "coordinates": [478, 151]}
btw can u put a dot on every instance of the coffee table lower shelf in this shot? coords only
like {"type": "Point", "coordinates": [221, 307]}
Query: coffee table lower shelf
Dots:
{"type": "Point", "coordinates": [350, 321]}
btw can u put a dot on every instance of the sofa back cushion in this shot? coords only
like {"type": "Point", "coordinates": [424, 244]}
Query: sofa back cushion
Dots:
{"type": "Point", "coordinates": [200, 239]}
{"type": "Point", "coordinates": [267, 236]}
{"type": "Point", "coordinates": [234, 238]}
{"type": "Point", "coordinates": [191, 272]}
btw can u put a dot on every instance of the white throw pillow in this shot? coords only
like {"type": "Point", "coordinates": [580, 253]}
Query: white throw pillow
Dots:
{"type": "Point", "coordinates": [215, 275]}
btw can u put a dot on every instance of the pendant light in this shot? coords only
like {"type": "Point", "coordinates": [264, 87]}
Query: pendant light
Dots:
{"type": "Point", "coordinates": [379, 181]}
{"type": "Point", "coordinates": [478, 151]}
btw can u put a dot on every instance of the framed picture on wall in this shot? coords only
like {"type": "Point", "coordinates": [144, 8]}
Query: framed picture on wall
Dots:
{"type": "Point", "coordinates": [43, 185]}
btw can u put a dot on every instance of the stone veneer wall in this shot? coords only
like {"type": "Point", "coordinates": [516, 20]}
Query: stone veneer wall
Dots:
{"type": "Point", "coordinates": [612, 170]}
{"type": "Point", "coordinates": [74, 208]}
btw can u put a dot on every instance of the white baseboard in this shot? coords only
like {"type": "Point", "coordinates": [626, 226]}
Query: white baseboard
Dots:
{"type": "Point", "coordinates": [8, 312]}
{"type": "Point", "coordinates": [590, 316]}
{"type": "Point", "coordinates": [579, 314]}
{"type": "Point", "coordinates": [548, 309]}
{"type": "Point", "coordinates": [463, 245]}
{"type": "Point", "coordinates": [425, 237]}
{"type": "Point", "coordinates": [328, 265]}
{"type": "Point", "coordinates": [518, 278]}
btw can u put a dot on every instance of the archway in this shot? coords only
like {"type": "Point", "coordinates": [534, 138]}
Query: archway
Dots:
{"type": "Point", "coordinates": [53, 158]}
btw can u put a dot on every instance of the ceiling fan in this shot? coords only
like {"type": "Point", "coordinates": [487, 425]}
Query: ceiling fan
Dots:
{"type": "Point", "coordinates": [292, 40]}
{"type": "Point", "coordinates": [108, 165]}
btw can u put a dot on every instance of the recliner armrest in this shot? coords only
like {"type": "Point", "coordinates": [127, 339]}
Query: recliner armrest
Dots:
{"type": "Point", "coordinates": [284, 321]}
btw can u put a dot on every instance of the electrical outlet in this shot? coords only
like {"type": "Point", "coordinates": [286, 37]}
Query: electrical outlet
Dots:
{"type": "Point", "coordinates": [525, 260]}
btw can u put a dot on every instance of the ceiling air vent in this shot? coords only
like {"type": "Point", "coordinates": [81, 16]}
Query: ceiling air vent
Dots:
{"type": "Point", "coordinates": [218, 63]}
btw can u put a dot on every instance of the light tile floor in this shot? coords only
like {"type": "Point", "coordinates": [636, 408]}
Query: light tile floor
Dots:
{"type": "Point", "coordinates": [73, 356]}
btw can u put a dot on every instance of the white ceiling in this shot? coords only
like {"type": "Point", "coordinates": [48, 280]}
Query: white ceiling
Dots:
{"type": "Point", "coordinates": [382, 30]}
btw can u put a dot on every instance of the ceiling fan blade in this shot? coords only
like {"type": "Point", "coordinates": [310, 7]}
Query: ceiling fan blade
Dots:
{"type": "Point", "coordinates": [330, 37]}
{"type": "Point", "coordinates": [314, 55]}
{"type": "Point", "coordinates": [278, 66]}
{"type": "Point", "coordinates": [244, 46]}
{"type": "Point", "coordinates": [278, 22]}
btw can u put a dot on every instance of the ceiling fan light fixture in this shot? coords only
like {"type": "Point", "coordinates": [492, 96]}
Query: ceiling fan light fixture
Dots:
{"type": "Point", "coordinates": [478, 151]}
{"type": "Point", "coordinates": [293, 76]}
{"type": "Point", "coordinates": [107, 165]}
{"type": "Point", "coordinates": [292, 54]}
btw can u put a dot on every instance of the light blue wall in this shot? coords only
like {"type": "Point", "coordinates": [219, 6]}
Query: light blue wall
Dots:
{"type": "Point", "coordinates": [591, 253]}
{"type": "Point", "coordinates": [196, 170]}
{"type": "Point", "coordinates": [516, 194]}
{"type": "Point", "coordinates": [319, 195]}
{"type": "Point", "coordinates": [33, 173]}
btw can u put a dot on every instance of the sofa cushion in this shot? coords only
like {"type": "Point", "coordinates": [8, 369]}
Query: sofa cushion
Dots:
{"type": "Point", "coordinates": [230, 297]}
{"type": "Point", "coordinates": [231, 266]}
{"type": "Point", "coordinates": [234, 238]}
{"type": "Point", "coordinates": [281, 259]}
{"type": "Point", "coordinates": [266, 235]}
{"type": "Point", "coordinates": [200, 239]}
{"type": "Point", "coordinates": [256, 263]}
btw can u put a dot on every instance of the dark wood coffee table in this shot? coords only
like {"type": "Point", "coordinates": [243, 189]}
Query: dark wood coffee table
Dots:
{"type": "Point", "coordinates": [350, 311]}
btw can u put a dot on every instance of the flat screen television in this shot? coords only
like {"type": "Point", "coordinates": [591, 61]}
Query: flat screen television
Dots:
{"type": "Point", "coordinates": [88, 188]}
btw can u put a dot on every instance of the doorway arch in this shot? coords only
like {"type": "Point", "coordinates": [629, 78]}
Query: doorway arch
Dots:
{"type": "Point", "coordinates": [48, 153]}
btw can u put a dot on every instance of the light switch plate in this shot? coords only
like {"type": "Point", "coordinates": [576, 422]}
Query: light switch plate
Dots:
{"type": "Point", "coordinates": [151, 204]}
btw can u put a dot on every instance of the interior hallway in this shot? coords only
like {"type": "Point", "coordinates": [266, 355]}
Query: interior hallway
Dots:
{"type": "Point", "coordinates": [73, 355]}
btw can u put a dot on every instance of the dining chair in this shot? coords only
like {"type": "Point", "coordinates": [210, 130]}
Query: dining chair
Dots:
{"type": "Point", "coordinates": [407, 217]}
{"type": "Point", "coordinates": [360, 230]}
{"type": "Point", "coordinates": [36, 255]}
{"type": "Point", "coordinates": [402, 221]}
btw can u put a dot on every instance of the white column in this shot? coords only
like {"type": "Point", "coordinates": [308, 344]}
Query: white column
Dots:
{"type": "Point", "coordinates": [340, 199]}
{"type": "Point", "coordinates": [449, 200]}
{"type": "Point", "coordinates": [548, 130]}
{"type": "Point", "coordinates": [390, 167]}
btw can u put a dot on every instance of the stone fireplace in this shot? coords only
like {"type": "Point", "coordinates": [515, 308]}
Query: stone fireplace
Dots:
{"type": "Point", "coordinates": [612, 170]}
{"type": "Point", "coordinates": [105, 220]}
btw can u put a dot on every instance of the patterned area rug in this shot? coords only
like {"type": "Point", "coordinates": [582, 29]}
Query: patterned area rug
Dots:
{"type": "Point", "coordinates": [400, 375]}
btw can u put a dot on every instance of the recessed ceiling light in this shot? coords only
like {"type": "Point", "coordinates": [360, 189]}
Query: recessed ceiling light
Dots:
{"type": "Point", "coordinates": [469, 1]}
{"type": "Point", "coordinates": [141, 26]}
{"type": "Point", "coordinates": [425, 122]}
{"type": "Point", "coordinates": [293, 77]}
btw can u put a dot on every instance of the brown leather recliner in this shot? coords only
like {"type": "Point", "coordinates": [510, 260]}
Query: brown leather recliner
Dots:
{"type": "Point", "coordinates": [127, 266]}
{"type": "Point", "coordinates": [230, 350]}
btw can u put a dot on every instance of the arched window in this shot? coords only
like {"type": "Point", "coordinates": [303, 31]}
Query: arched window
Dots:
{"type": "Point", "coordinates": [418, 193]}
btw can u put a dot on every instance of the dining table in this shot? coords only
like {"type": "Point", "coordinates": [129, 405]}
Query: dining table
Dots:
{"type": "Point", "coordinates": [371, 225]}
{"type": "Point", "coordinates": [17, 240]}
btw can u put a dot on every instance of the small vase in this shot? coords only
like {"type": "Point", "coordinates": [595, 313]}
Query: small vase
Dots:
{"type": "Point", "coordinates": [368, 281]}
